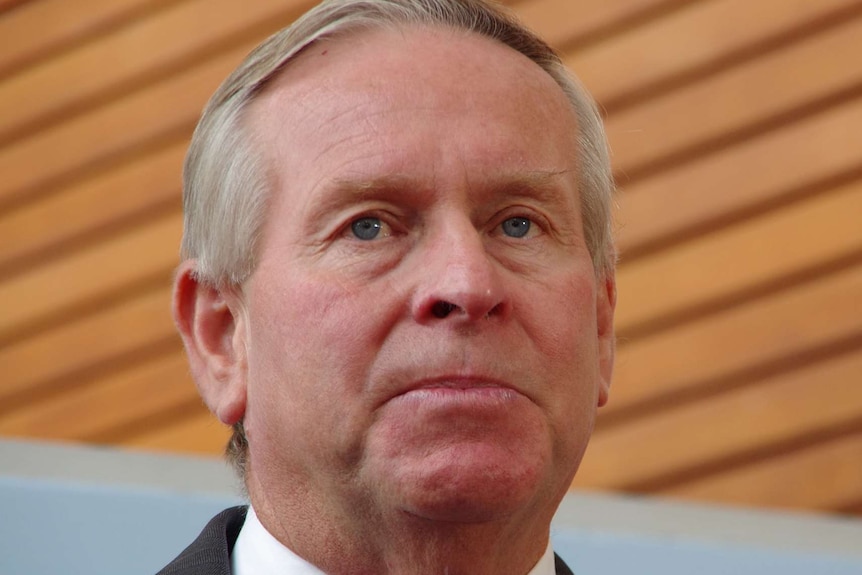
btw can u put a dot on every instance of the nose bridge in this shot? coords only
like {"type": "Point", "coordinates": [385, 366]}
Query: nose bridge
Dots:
{"type": "Point", "coordinates": [459, 278]}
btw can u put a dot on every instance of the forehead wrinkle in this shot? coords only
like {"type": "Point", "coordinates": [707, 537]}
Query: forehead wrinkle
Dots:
{"type": "Point", "coordinates": [539, 179]}
{"type": "Point", "coordinates": [543, 182]}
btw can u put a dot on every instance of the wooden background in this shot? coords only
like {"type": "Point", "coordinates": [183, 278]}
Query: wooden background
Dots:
{"type": "Point", "coordinates": [737, 134]}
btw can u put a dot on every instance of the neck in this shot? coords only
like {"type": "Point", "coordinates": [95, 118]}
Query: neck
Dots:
{"type": "Point", "coordinates": [362, 541]}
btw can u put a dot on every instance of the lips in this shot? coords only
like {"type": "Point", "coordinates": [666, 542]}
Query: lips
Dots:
{"type": "Point", "coordinates": [459, 382]}
{"type": "Point", "coordinates": [457, 389]}
{"type": "Point", "coordinates": [435, 369]}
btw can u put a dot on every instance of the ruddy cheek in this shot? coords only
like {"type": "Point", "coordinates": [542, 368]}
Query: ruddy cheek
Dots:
{"type": "Point", "coordinates": [563, 326]}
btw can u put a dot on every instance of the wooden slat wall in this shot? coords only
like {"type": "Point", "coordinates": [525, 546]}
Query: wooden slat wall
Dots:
{"type": "Point", "coordinates": [737, 135]}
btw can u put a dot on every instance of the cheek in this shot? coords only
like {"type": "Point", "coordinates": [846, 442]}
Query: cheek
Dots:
{"type": "Point", "coordinates": [311, 325]}
{"type": "Point", "coordinates": [311, 349]}
{"type": "Point", "coordinates": [561, 319]}
{"type": "Point", "coordinates": [563, 329]}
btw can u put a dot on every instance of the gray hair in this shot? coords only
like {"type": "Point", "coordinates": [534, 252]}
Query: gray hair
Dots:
{"type": "Point", "coordinates": [224, 181]}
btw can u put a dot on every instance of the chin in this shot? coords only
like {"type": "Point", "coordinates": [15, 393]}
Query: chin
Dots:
{"type": "Point", "coordinates": [471, 484]}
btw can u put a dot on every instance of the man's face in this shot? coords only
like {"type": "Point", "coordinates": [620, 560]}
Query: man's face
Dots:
{"type": "Point", "coordinates": [424, 328]}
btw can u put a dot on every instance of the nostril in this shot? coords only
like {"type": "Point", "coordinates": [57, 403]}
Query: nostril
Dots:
{"type": "Point", "coordinates": [442, 309]}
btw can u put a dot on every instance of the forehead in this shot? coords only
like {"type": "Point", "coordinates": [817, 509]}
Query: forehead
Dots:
{"type": "Point", "coordinates": [387, 50]}
{"type": "Point", "coordinates": [415, 88]}
{"type": "Point", "coordinates": [389, 59]}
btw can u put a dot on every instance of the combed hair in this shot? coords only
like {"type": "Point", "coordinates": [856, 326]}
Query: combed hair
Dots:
{"type": "Point", "coordinates": [225, 184]}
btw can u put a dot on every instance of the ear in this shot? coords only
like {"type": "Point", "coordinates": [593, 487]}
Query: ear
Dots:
{"type": "Point", "coordinates": [212, 324]}
{"type": "Point", "coordinates": [606, 302]}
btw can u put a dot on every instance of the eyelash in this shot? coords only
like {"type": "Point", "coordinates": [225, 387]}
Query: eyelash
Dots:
{"type": "Point", "coordinates": [538, 224]}
{"type": "Point", "coordinates": [389, 227]}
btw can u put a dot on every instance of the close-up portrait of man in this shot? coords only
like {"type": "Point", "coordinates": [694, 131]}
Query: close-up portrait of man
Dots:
{"type": "Point", "coordinates": [430, 287]}
{"type": "Point", "coordinates": [398, 288]}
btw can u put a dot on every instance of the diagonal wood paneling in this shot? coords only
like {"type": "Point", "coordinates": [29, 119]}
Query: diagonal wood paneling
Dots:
{"type": "Point", "coordinates": [564, 23]}
{"type": "Point", "coordinates": [725, 107]}
{"type": "Point", "coordinates": [77, 350]}
{"type": "Point", "coordinates": [822, 395]}
{"type": "Point", "coordinates": [735, 130]}
{"type": "Point", "coordinates": [763, 252]}
{"type": "Point", "coordinates": [37, 30]}
{"type": "Point", "coordinates": [37, 231]}
{"type": "Point", "coordinates": [748, 178]}
{"type": "Point", "coordinates": [140, 391]}
{"type": "Point", "coordinates": [92, 273]}
{"type": "Point", "coordinates": [694, 40]}
{"type": "Point", "coordinates": [200, 433]}
{"type": "Point", "coordinates": [723, 348]}
{"type": "Point", "coordinates": [41, 162]}
{"type": "Point", "coordinates": [822, 476]}
{"type": "Point", "coordinates": [145, 48]}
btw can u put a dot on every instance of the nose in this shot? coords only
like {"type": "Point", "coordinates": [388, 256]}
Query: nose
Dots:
{"type": "Point", "coordinates": [459, 280]}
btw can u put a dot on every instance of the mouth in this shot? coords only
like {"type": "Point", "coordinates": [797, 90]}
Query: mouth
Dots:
{"type": "Point", "coordinates": [457, 390]}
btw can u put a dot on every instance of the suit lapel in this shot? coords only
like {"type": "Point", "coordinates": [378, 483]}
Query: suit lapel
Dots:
{"type": "Point", "coordinates": [560, 567]}
{"type": "Point", "coordinates": [209, 554]}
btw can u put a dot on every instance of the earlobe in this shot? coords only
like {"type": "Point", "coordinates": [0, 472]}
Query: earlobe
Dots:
{"type": "Point", "coordinates": [606, 302]}
{"type": "Point", "coordinates": [212, 325]}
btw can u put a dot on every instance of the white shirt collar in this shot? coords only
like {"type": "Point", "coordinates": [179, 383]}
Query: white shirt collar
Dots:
{"type": "Point", "coordinates": [257, 552]}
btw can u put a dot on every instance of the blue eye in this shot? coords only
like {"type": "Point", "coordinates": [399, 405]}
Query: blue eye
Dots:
{"type": "Point", "coordinates": [516, 227]}
{"type": "Point", "coordinates": [366, 228]}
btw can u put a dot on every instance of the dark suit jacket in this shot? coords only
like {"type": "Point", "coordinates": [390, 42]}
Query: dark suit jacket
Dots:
{"type": "Point", "coordinates": [209, 554]}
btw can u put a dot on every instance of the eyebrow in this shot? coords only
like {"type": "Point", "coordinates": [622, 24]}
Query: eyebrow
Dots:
{"type": "Point", "coordinates": [346, 191]}
{"type": "Point", "coordinates": [544, 185]}
{"type": "Point", "coordinates": [373, 186]}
